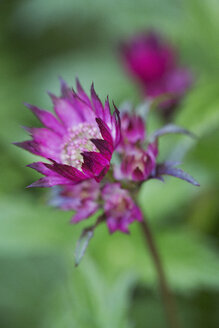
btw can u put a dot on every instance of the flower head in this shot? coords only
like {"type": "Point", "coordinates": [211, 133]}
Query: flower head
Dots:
{"type": "Point", "coordinates": [138, 153]}
{"type": "Point", "coordinates": [81, 198]}
{"type": "Point", "coordinates": [79, 140]}
{"type": "Point", "coordinates": [155, 65]}
{"type": "Point", "coordinates": [132, 130]}
{"type": "Point", "coordinates": [137, 164]}
{"type": "Point", "coordinates": [119, 208]}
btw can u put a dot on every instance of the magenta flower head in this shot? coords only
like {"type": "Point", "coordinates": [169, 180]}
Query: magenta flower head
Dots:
{"type": "Point", "coordinates": [155, 65]}
{"type": "Point", "coordinates": [85, 198]}
{"type": "Point", "coordinates": [132, 130]}
{"type": "Point", "coordinates": [119, 208]}
{"type": "Point", "coordinates": [79, 141]}
{"type": "Point", "coordinates": [138, 164]}
{"type": "Point", "coordinates": [138, 154]}
{"type": "Point", "coordinates": [81, 198]}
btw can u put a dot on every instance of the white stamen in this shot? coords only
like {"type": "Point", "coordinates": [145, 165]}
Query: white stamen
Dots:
{"type": "Point", "coordinates": [77, 141]}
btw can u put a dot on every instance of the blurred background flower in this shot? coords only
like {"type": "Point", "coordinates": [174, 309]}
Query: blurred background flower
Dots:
{"type": "Point", "coordinates": [115, 285]}
{"type": "Point", "coordinates": [154, 63]}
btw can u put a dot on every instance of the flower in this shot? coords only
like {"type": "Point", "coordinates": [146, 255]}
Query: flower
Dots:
{"type": "Point", "coordinates": [137, 160]}
{"type": "Point", "coordinates": [79, 141]}
{"type": "Point", "coordinates": [138, 164]}
{"type": "Point", "coordinates": [155, 65]}
{"type": "Point", "coordinates": [132, 130]}
{"type": "Point", "coordinates": [138, 153]}
{"type": "Point", "coordinates": [119, 208]}
{"type": "Point", "coordinates": [82, 198]}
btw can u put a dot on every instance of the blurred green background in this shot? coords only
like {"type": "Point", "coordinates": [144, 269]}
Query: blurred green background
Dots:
{"type": "Point", "coordinates": [115, 285]}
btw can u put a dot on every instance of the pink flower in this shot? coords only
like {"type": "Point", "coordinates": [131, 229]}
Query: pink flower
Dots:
{"type": "Point", "coordinates": [138, 164]}
{"type": "Point", "coordinates": [81, 198]}
{"type": "Point", "coordinates": [138, 153]}
{"type": "Point", "coordinates": [155, 65]}
{"type": "Point", "coordinates": [79, 141]}
{"type": "Point", "coordinates": [132, 130]}
{"type": "Point", "coordinates": [119, 208]}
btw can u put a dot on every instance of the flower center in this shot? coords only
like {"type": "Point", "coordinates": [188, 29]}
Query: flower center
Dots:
{"type": "Point", "coordinates": [77, 141]}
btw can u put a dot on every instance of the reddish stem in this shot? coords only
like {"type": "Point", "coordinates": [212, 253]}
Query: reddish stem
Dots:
{"type": "Point", "coordinates": [168, 301]}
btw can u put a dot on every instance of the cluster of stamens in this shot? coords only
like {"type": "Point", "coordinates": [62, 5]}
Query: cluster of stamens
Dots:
{"type": "Point", "coordinates": [77, 141]}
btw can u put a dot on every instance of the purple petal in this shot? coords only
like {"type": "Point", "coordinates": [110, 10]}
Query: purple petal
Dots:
{"type": "Point", "coordinates": [116, 117]}
{"type": "Point", "coordinates": [83, 108]}
{"type": "Point", "coordinates": [48, 143]}
{"type": "Point", "coordinates": [97, 104]}
{"type": "Point", "coordinates": [107, 112]}
{"type": "Point", "coordinates": [47, 119]}
{"type": "Point", "coordinates": [67, 171]}
{"type": "Point", "coordinates": [67, 113]}
{"type": "Point", "coordinates": [88, 209]}
{"type": "Point", "coordinates": [104, 131]}
{"type": "Point", "coordinates": [169, 129]}
{"type": "Point", "coordinates": [50, 181]}
{"type": "Point", "coordinates": [28, 145]}
{"type": "Point", "coordinates": [112, 224]}
{"type": "Point", "coordinates": [137, 175]}
{"type": "Point", "coordinates": [41, 168]}
{"type": "Point", "coordinates": [104, 147]}
{"type": "Point", "coordinates": [46, 137]}
{"type": "Point", "coordinates": [95, 164]}
{"type": "Point", "coordinates": [137, 214]}
{"type": "Point", "coordinates": [167, 169]}
{"type": "Point", "coordinates": [65, 90]}
{"type": "Point", "coordinates": [102, 174]}
{"type": "Point", "coordinates": [82, 94]}
{"type": "Point", "coordinates": [39, 149]}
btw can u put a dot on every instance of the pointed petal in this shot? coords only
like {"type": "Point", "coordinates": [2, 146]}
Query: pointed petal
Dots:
{"type": "Point", "coordinates": [95, 165]}
{"type": "Point", "coordinates": [46, 137]}
{"type": "Point", "coordinates": [111, 224]}
{"type": "Point", "coordinates": [97, 104]}
{"type": "Point", "coordinates": [29, 145]}
{"type": "Point", "coordinates": [41, 168]}
{"type": "Point", "coordinates": [50, 181]}
{"type": "Point", "coordinates": [83, 108]}
{"type": "Point", "coordinates": [38, 149]}
{"type": "Point", "coordinates": [47, 119]}
{"type": "Point", "coordinates": [107, 112]}
{"type": "Point", "coordinates": [169, 129]}
{"type": "Point", "coordinates": [117, 120]}
{"type": "Point", "coordinates": [67, 113]}
{"type": "Point", "coordinates": [166, 169]}
{"type": "Point", "coordinates": [104, 131]}
{"type": "Point", "coordinates": [67, 171]}
{"type": "Point", "coordinates": [104, 147]}
{"type": "Point", "coordinates": [85, 212]}
{"type": "Point", "coordinates": [65, 90]}
{"type": "Point", "coordinates": [82, 94]}
{"type": "Point", "coordinates": [48, 143]}
{"type": "Point", "coordinates": [102, 173]}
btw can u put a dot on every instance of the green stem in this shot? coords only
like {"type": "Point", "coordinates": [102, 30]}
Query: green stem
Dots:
{"type": "Point", "coordinates": [169, 304]}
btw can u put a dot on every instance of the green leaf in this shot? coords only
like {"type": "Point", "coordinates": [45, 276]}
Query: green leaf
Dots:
{"type": "Point", "coordinates": [82, 244]}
